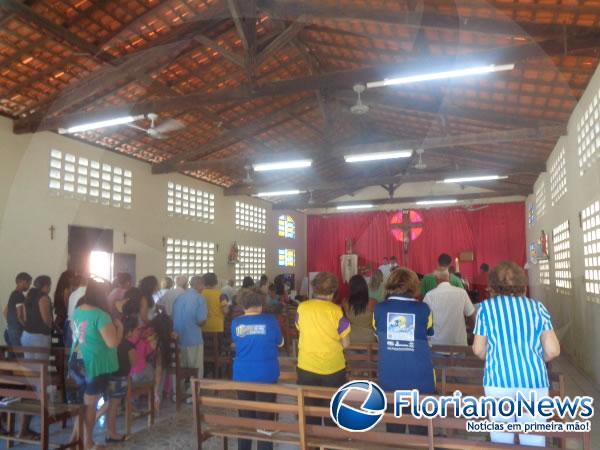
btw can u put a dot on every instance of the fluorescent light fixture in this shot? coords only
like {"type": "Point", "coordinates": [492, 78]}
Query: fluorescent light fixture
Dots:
{"type": "Point", "coordinates": [446, 201]}
{"type": "Point", "coordinates": [478, 70]}
{"type": "Point", "coordinates": [283, 165]}
{"type": "Point", "coordinates": [361, 206]}
{"type": "Point", "coordinates": [477, 178]}
{"type": "Point", "coordinates": [280, 193]}
{"type": "Point", "coordinates": [100, 124]}
{"type": "Point", "coordinates": [378, 156]}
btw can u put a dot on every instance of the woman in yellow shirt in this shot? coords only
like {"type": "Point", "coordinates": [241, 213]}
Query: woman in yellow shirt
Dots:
{"type": "Point", "coordinates": [323, 335]}
{"type": "Point", "coordinates": [217, 305]}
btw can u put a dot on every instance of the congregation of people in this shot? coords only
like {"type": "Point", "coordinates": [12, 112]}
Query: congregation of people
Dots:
{"type": "Point", "coordinates": [119, 334]}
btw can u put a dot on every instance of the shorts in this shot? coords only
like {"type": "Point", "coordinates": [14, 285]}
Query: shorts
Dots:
{"type": "Point", "coordinates": [92, 386]}
{"type": "Point", "coordinates": [97, 385]}
{"type": "Point", "coordinates": [117, 387]}
{"type": "Point", "coordinates": [193, 358]}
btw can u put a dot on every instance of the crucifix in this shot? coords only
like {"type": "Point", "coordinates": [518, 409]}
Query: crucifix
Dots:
{"type": "Point", "coordinates": [406, 226]}
{"type": "Point", "coordinates": [52, 230]}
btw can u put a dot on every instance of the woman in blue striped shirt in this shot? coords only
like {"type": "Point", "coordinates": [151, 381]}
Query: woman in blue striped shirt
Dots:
{"type": "Point", "coordinates": [514, 335]}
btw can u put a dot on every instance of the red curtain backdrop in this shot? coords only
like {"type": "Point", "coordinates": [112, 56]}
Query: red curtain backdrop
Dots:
{"type": "Point", "coordinates": [493, 233]}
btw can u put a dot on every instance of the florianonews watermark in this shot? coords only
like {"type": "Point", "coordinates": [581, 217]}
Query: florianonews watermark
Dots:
{"type": "Point", "coordinates": [360, 405]}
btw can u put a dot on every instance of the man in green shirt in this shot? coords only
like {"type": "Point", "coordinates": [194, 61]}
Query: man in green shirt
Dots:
{"type": "Point", "coordinates": [428, 283]}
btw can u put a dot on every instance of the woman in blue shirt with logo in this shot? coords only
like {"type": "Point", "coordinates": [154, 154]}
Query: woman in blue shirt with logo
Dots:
{"type": "Point", "coordinates": [403, 325]}
{"type": "Point", "coordinates": [257, 338]}
{"type": "Point", "coordinates": [514, 335]}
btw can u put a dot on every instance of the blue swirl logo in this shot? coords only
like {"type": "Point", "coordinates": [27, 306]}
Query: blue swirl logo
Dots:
{"type": "Point", "coordinates": [350, 414]}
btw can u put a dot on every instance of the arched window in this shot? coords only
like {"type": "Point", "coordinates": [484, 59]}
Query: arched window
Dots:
{"type": "Point", "coordinates": [286, 227]}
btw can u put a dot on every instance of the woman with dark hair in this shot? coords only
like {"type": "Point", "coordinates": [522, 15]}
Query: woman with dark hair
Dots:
{"type": "Point", "coordinates": [247, 283]}
{"type": "Point", "coordinates": [149, 286]}
{"type": "Point", "coordinates": [515, 337]}
{"type": "Point", "coordinates": [95, 341]}
{"type": "Point", "coordinates": [63, 290]}
{"type": "Point", "coordinates": [403, 325]}
{"type": "Point", "coordinates": [359, 311]}
{"type": "Point", "coordinates": [263, 283]}
{"type": "Point", "coordinates": [37, 327]}
{"type": "Point", "coordinates": [377, 286]}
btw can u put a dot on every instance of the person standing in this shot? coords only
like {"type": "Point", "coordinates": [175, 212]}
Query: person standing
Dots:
{"type": "Point", "coordinates": [95, 342]}
{"type": "Point", "coordinates": [123, 282]}
{"type": "Point", "coordinates": [323, 335]}
{"type": "Point", "coordinates": [428, 282]}
{"type": "Point", "coordinates": [403, 325]}
{"type": "Point", "coordinates": [13, 311]}
{"type": "Point", "coordinates": [256, 337]}
{"type": "Point", "coordinates": [167, 300]}
{"type": "Point", "coordinates": [449, 306]}
{"type": "Point", "coordinates": [63, 290]}
{"type": "Point", "coordinates": [189, 315]}
{"type": "Point", "coordinates": [481, 282]}
{"type": "Point", "coordinates": [385, 268]}
{"type": "Point", "coordinates": [229, 290]}
{"type": "Point", "coordinates": [358, 308]}
{"type": "Point", "coordinates": [37, 323]}
{"type": "Point", "coordinates": [216, 303]}
{"type": "Point", "coordinates": [515, 337]}
{"type": "Point", "coordinates": [377, 286]}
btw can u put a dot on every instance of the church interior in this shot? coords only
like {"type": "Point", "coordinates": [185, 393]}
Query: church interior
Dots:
{"type": "Point", "coordinates": [271, 143]}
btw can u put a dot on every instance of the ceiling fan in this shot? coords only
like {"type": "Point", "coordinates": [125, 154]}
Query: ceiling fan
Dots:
{"type": "Point", "coordinates": [159, 131]}
{"type": "Point", "coordinates": [359, 108]}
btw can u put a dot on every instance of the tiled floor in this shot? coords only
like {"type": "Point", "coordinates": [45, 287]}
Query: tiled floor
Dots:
{"type": "Point", "coordinates": [175, 431]}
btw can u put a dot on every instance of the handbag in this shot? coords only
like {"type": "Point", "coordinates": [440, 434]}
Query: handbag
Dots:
{"type": "Point", "coordinates": [76, 367]}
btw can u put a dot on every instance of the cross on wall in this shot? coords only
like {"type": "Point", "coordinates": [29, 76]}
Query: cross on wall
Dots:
{"type": "Point", "coordinates": [402, 226]}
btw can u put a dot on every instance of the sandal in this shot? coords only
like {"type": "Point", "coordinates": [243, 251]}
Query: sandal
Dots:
{"type": "Point", "coordinates": [110, 440]}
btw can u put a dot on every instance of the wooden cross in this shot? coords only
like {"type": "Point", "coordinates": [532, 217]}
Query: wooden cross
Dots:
{"type": "Point", "coordinates": [406, 226]}
{"type": "Point", "coordinates": [52, 230]}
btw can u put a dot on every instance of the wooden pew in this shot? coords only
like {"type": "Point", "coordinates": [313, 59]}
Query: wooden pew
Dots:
{"type": "Point", "coordinates": [28, 382]}
{"type": "Point", "coordinates": [179, 372]}
{"type": "Point", "coordinates": [213, 399]}
{"type": "Point", "coordinates": [217, 354]}
{"type": "Point", "coordinates": [134, 391]}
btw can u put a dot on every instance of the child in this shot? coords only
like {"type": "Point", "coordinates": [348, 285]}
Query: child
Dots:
{"type": "Point", "coordinates": [162, 325]}
{"type": "Point", "coordinates": [117, 386]}
{"type": "Point", "coordinates": [256, 337]}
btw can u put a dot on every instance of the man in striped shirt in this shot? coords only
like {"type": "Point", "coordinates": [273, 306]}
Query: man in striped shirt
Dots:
{"type": "Point", "coordinates": [514, 335]}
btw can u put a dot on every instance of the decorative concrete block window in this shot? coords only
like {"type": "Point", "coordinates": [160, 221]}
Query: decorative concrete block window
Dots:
{"type": "Point", "coordinates": [558, 177]}
{"type": "Point", "coordinates": [190, 203]}
{"type": "Point", "coordinates": [89, 180]}
{"type": "Point", "coordinates": [561, 248]}
{"type": "Point", "coordinates": [588, 135]}
{"type": "Point", "coordinates": [188, 257]}
{"type": "Point", "coordinates": [590, 220]}
{"type": "Point", "coordinates": [251, 263]}
{"type": "Point", "coordinates": [250, 218]}
{"type": "Point", "coordinates": [544, 267]}
{"type": "Point", "coordinates": [540, 198]}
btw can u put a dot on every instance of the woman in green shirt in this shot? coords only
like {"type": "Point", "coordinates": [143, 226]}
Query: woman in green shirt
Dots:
{"type": "Point", "coordinates": [95, 339]}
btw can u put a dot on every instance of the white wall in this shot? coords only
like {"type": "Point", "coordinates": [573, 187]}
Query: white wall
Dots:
{"type": "Point", "coordinates": [574, 315]}
{"type": "Point", "coordinates": [28, 209]}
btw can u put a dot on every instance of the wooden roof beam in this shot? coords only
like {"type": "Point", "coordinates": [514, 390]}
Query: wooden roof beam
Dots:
{"type": "Point", "coordinates": [288, 9]}
{"type": "Point", "coordinates": [331, 80]}
{"type": "Point", "coordinates": [229, 55]}
{"type": "Point", "coordinates": [57, 31]}
{"type": "Point", "coordinates": [303, 204]}
{"type": "Point", "coordinates": [283, 39]}
{"type": "Point", "coordinates": [316, 184]}
{"type": "Point", "coordinates": [250, 129]}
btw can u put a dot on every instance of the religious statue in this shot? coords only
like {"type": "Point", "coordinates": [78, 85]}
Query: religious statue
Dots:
{"type": "Point", "coordinates": [349, 262]}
